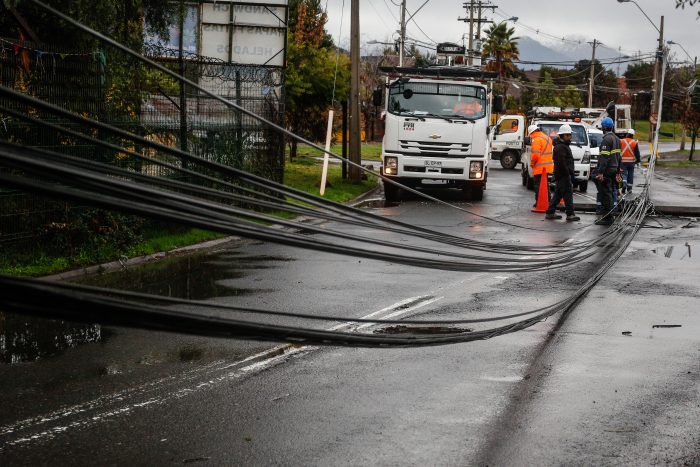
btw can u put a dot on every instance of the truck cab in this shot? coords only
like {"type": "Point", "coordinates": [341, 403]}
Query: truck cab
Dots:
{"type": "Point", "coordinates": [436, 132]}
{"type": "Point", "coordinates": [580, 148]}
{"type": "Point", "coordinates": [508, 138]}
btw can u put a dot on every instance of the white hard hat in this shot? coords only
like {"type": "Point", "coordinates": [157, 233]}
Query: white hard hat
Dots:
{"type": "Point", "coordinates": [531, 128]}
{"type": "Point", "coordinates": [630, 132]}
{"type": "Point", "coordinates": [565, 129]}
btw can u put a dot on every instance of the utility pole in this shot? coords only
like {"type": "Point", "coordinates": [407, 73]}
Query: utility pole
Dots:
{"type": "Point", "coordinates": [470, 7]}
{"type": "Point", "coordinates": [402, 32]}
{"type": "Point", "coordinates": [595, 43]}
{"type": "Point", "coordinates": [355, 155]}
{"type": "Point", "coordinates": [655, 110]}
{"type": "Point", "coordinates": [470, 50]}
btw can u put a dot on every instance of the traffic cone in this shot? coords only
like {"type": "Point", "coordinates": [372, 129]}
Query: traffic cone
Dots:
{"type": "Point", "coordinates": [542, 195]}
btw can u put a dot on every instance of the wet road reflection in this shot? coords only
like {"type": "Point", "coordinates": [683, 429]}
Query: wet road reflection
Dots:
{"type": "Point", "coordinates": [198, 277]}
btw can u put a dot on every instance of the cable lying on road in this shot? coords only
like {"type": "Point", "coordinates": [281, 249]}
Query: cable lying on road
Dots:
{"type": "Point", "coordinates": [137, 198]}
{"type": "Point", "coordinates": [78, 303]}
{"type": "Point", "coordinates": [234, 201]}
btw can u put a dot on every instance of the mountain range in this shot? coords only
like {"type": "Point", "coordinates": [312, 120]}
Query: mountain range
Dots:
{"type": "Point", "coordinates": [532, 50]}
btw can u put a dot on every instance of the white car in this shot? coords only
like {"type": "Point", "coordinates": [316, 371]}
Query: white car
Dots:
{"type": "Point", "coordinates": [580, 148]}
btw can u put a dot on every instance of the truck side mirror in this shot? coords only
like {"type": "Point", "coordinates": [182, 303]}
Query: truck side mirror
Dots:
{"type": "Point", "coordinates": [527, 140]}
{"type": "Point", "coordinates": [499, 104]}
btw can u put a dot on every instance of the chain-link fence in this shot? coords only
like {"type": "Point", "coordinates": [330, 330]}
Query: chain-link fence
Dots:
{"type": "Point", "coordinates": [109, 86]}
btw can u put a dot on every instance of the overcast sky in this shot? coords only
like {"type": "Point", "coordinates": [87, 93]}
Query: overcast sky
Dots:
{"type": "Point", "coordinates": [615, 24]}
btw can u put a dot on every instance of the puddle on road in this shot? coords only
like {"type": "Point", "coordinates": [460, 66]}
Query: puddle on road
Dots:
{"type": "Point", "coordinates": [25, 339]}
{"type": "Point", "coordinates": [197, 277]}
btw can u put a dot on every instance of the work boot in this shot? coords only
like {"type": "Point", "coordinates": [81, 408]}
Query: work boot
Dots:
{"type": "Point", "coordinates": [552, 216]}
{"type": "Point", "coordinates": [604, 221]}
{"type": "Point", "coordinates": [572, 218]}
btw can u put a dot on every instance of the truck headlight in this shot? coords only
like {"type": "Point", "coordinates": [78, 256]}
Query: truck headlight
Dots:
{"type": "Point", "coordinates": [586, 157]}
{"type": "Point", "coordinates": [476, 169]}
{"type": "Point", "coordinates": [391, 164]}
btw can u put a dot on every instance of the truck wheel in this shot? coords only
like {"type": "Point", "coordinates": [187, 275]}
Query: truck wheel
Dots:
{"type": "Point", "coordinates": [523, 175]}
{"type": "Point", "coordinates": [509, 160]}
{"type": "Point", "coordinates": [392, 193]}
{"type": "Point", "coordinates": [530, 181]}
{"type": "Point", "coordinates": [583, 186]}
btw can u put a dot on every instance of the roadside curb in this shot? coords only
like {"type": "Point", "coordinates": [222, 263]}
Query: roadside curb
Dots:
{"type": "Point", "coordinates": [209, 245]}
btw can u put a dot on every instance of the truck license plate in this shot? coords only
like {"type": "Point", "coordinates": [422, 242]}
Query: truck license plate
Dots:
{"type": "Point", "coordinates": [433, 163]}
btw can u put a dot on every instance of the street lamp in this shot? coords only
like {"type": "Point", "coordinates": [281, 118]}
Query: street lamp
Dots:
{"type": "Point", "coordinates": [640, 9]}
{"type": "Point", "coordinates": [683, 48]}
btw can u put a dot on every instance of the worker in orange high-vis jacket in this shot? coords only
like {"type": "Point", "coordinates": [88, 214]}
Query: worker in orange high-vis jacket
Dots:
{"type": "Point", "coordinates": [630, 158]}
{"type": "Point", "coordinates": [541, 161]}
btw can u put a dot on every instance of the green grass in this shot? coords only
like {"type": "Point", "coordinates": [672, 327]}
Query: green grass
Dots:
{"type": "Point", "coordinates": [686, 163]}
{"type": "Point", "coordinates": [42, 260]}
{"type": "Point", "coordinates": [641, 128]}
{"type": "Point", "coordinates": [370, 151]}
{"type": "Point", "coordinates": [303, 174]}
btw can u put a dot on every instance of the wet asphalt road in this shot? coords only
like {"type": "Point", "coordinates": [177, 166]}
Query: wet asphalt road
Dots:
{"type": "Point", "coordinates": [565, 391]}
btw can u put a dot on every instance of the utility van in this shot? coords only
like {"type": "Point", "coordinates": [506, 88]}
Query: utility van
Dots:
{"type": "Point", "coordinates": [508, 140]}
{"type": "Point", "coordinates": [436, 130]}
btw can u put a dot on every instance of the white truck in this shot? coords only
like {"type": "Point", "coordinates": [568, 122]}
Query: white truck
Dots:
{"type": "Point", "coordinates": [508, 140]}
{"type": "Point", "coordinates": [437, 129]}
{"type": "Point", "coordinates": [549, 119]}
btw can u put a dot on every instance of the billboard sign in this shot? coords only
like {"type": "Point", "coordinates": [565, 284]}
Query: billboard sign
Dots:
{"type": "Point", "coordinates": [245, 32]}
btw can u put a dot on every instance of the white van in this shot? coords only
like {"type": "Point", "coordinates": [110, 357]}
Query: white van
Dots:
{"type": "Point", "coordinates": [580, 148]}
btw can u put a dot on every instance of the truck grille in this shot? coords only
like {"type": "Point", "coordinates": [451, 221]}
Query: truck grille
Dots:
{"type": "Point", "coordinates": [434, 149]}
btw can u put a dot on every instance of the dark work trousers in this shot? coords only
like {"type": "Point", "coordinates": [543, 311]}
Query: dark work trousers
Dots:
{"type": "Point", "coordinates": [563, 189]}
{"type": "Point", "coordinates": [605, 188]}
{"type": "Point", "coordinates": [627, 176]}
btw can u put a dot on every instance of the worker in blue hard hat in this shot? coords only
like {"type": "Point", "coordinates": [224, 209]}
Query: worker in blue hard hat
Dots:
{"type": "Point", "coordinates": [607, 170]}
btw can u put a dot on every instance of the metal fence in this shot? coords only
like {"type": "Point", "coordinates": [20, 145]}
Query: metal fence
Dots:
{"type": "Point", "coordinates": [111, 87]}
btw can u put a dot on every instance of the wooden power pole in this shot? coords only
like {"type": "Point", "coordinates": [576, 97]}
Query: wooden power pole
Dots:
{"type": "Point", "coordinates": [595, 44]}
{"type": "Point", "coordinates": [355, 155]}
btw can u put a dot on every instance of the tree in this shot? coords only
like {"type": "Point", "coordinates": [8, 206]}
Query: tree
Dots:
{"type": "Point", "coordinates": [501, 48]}
{"type": "Point", "coordinates": [120, 19]}
{"type": "Point", "coordinates": [683, 3]}
{"type": "Point", "coordinates": [311, 73]}
{"type": "Point", "coordinates": [691, 120]}
{"type": "Point", "coordinates": [571, 97]}
{"type": "Point", "coordinates": [547, 93]}
{"type": "Point", "coordinates": [605, 81]}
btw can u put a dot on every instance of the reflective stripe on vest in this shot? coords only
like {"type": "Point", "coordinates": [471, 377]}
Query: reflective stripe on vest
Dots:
{"type": "Point", "coordinates": [628, 145]}
{"type": "Point", "coordinates": [544, 166]}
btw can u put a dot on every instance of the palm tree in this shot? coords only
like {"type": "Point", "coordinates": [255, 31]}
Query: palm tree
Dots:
{"type": "Point", "coordinates": [502, 48]}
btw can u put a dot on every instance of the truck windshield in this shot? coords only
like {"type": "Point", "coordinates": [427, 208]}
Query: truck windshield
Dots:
{"type": "Point", "coordinates": [440, 99]}
{"type": "Point", "coordinates": [578, 132]}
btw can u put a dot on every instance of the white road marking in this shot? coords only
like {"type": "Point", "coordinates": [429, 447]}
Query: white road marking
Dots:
{"type": "Point", "coordinates": [104, 408]}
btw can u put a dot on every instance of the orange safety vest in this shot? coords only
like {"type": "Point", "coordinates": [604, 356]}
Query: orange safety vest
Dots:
{"type": "Point", "coordinates": [541, 160]}
{"type": "Point", "coordinates": [628, 146]}
{"type": "Point", "coordinates": [471, 108]}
